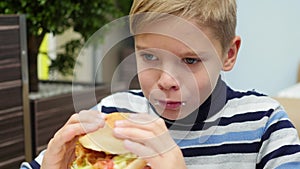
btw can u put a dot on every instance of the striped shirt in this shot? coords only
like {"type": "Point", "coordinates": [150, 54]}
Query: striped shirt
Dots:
{"type": "Point", "coordinates": [231, 129]}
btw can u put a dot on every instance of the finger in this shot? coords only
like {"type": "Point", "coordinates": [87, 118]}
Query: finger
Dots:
{"type": "Point", "coordinates": [160, 143]}
{"type": "Point", "coordinates": [89, 121]}
{"type": "Point", "coordinates": [90, 116]}
{"type": "Point", "coordinates": [73, 119]}
{"type": "Point", "coordinates": [86, 116]}
{"type": "Point", "coordinates": [140, 150]}
{"type": "Point", "coordinates": [59, 155]}
{"type": "Point", "coordinates": [153, 158]}
{"type": "Point", "coordinates": [144, 122]}
{"type": "Point", "coordinates": [133, 133]}
{"type": "Point", "coordinates": [73, 128]}
{"type": "Point", "coordinates": [69, 132]}
{"type": "Point", "coordinates": [71, 153]}
{"type": "Point", "coordinates": [142, 118]}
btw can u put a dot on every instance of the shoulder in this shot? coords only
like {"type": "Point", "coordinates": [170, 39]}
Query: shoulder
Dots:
{"type": "Point", "coordinates": [251, 107]}
{"type": "Point", "coordinates": [251, 101]}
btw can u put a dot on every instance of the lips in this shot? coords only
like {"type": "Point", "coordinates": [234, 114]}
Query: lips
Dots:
{"type": "Point", "coordinates": [171, 105]}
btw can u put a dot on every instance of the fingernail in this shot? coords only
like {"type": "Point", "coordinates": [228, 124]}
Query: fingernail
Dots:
{"type": "Point", "coordinates": [119, 123]}
{"type": "Point", "coordinates": [118, 130]}
{"type": "Point", "coordinates": [101, 116]}
{"type": "Point", "coordinates": [100, 120]}
{"type": "Point", "coordinates": [118, 133]}
{"type": "Point", "coordinates": [90, 127]}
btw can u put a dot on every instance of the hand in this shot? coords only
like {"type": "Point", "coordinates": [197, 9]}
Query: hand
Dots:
{"type": "Point", "coordinates": [148, 137]}
{"type": "Point", "coordinates": [61, 148]}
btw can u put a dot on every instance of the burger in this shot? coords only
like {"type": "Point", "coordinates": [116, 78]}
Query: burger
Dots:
{"type": "Point", "coordinates": [101, 150]}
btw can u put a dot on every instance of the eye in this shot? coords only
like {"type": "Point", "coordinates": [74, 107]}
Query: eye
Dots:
{"type": "Point", "coordinates": [191, 60]}
{"type": "Point", "coordinates": [149, 57]}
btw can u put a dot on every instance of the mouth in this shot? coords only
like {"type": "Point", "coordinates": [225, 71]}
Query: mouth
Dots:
{"type": "Point", "coordinates": [169, 105]}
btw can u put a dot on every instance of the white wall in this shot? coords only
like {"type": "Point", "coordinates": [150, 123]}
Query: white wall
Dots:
{"type": "Point", "coordinates": [270, 52]}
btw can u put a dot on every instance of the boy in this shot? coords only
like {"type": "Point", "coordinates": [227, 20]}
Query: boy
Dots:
{"type": "Point", "coordinates": [188, 117]}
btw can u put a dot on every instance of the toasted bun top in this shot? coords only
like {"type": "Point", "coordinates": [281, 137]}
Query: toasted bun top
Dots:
{"type": "Point", "coordinates": [103, 139]}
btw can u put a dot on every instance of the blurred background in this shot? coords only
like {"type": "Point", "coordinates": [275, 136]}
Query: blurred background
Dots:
{"type": "Point", "coordinates": [270, 52]}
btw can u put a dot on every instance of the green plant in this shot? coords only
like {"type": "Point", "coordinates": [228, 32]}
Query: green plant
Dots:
{"type": "Point", "coordinates": [56, 16]}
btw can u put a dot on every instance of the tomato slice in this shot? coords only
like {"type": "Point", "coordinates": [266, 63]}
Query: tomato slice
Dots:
{"type": "Point", "coordinates": [110, 164]}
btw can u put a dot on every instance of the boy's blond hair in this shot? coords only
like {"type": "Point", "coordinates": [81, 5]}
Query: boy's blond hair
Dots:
{"type": "Point", "coordinates": [218, 15]}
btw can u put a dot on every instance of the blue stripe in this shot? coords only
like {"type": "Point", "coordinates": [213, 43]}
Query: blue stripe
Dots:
{"type": "Point", "coordinates": [217, 139]}
{"type": "Point", "coordinates": [282, 151]}
{"type": "Point", "coordinates": [290, 165]}
{"type": "Point", "coordinates": [223, 149]}
{"type": "Point", "coordinates": [276, 117]}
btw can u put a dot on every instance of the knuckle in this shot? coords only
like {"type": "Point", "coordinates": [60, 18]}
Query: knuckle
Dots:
{"type": "Point", "coordinates": [51, 141]}
{"type": "Point", "coordinates": [83, 112]}
{"type": "Point", "coordinates": [71, 131]}
{"type": "Point", "coordinates": [74, 116]}
{"type": "Point", "coordinates": [160, 121]}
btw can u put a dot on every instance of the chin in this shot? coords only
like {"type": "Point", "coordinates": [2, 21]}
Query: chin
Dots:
{"type": "Point", "coordinates": [172, 114]}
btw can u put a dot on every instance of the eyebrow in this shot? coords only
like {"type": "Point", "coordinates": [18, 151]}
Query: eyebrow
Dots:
{"type": "Point", "coordinates": [187, 53]}
{"type": "Point", "coordinates": [141, 47]}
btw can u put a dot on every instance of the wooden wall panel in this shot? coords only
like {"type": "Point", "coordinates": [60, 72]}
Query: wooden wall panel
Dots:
{"type": "Point", "coordinates": [12, 136]}
{"type": "Point", "coordinates": [12, 144]}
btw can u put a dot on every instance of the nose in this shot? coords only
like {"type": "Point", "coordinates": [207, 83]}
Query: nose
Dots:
{"type": "Point", "coordinates": [167, 82]}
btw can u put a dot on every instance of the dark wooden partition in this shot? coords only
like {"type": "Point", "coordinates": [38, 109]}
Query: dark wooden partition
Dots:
{"type": "Point", "coordinates": [13, 92]}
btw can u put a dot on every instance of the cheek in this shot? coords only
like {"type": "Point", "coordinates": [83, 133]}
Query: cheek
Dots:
{"type": "Point", "coordinates": [204, 86]}
{"type": "Point", "coordinates": [203, 81]}
{"type": "Point", "coordinates": [201, 87]}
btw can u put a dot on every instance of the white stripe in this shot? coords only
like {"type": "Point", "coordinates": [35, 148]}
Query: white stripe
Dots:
{"type": "Point", "coordinates": [39, 158]}
{"type": "Point", "coordinates": [228, 165]}
{"type": "Point", "coordinates": [219, 144]}
{"type": "Point", "coordinates": [224, 161]}
{"type": "Point", "coordinates": [244, 105]}
{"type": "Point", "coordinates": [25, 165]}
{"type": "Point", "coordinates": [126, 100]}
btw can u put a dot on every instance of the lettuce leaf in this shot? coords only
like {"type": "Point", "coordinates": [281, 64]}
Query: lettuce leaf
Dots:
{"type": "Point", "coordinates": [121, 161]}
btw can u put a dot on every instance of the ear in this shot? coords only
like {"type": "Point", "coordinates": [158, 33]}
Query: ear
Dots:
{"type": "Point", "coordinates": [231, 54]}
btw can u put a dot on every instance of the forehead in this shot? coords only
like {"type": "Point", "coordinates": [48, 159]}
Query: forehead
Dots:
{"type": "Point", "coordinates": [151, 40]}
{"type": "Point", "coordinates": [179, 31]}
